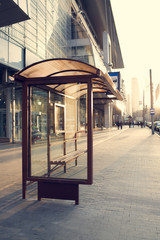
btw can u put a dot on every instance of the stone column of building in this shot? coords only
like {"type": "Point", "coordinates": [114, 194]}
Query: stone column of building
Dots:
{"type": "Point", "coordinates": [108, 108]}
{"type": "Point", "coordinates": [108, 113]}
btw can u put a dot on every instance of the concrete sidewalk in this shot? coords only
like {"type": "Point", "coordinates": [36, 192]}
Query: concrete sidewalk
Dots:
{"type": "Point", "coordinates": [122, 204]}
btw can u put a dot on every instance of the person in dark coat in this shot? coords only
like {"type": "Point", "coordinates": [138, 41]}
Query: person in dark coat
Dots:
{"type": "Point", "coordinates": [117, 124]}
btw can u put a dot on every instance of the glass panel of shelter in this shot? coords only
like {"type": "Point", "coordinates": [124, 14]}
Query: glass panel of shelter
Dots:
{"type": "Point", "coordinates": [58, 135]}
{"type": "Point", "coordinates": [38, 132]}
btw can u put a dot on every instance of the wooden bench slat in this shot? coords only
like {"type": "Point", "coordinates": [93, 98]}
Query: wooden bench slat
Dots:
{"type": "Point", "coordinates": [67, 158]}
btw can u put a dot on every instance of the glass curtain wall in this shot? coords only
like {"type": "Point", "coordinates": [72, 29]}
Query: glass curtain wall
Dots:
{"type": "Point", "coordinates": [47, 32]}
{"type": "Point", "coordinates": [45, 35]}
{"type": "Point", "coordinates": [8, 48]}
{"type": "Point", "coordinates": [50, 33]}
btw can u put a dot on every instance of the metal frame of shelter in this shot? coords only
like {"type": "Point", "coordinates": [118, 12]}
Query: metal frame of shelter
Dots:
{"type": "Point", "coordinates": [55, 74]}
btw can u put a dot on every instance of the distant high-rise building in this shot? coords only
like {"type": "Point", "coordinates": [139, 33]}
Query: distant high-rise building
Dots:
{"type": "Point", "coordinates": [135, 95]}
{"type": "Point", "coordinates": [157, 96]}
{"type": "Point", "coordinates": [128, 105]}
{"type": "Point", "coordinates": [157, 92]}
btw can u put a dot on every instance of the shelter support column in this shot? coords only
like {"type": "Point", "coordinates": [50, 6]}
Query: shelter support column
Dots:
{"type": "Point", "coordinates": [25, 135]}
{"type": "Point", "coordinates": [108, 113]}
{"type": "Point", "coordinates": [90, 131]}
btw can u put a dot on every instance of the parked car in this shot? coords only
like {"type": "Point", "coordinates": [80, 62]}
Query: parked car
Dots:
{"type": "Point", "coordinates": [157, 128]}
{"type": "Point", "coordinates": [149, 124]}
{"type": "Point", "coordinates": [156, 123]}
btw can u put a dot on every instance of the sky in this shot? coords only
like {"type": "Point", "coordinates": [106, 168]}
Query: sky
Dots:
{"type": "Point", "coordinates": [138, 28]}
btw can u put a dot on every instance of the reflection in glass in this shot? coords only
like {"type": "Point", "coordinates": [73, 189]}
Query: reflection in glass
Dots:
{"type": "Point", "coordinates": [69, 147]}
{"type": "Point", "coordinates": [15, 59]}
{"type": "Point", "coordinates": [39, 132]}
{"type": "Point", "coordinates": [3, 50]}
{"type": "Point", "coordinates": [18, 114]}
{"type": "Point", "coordinates": [59, 118]}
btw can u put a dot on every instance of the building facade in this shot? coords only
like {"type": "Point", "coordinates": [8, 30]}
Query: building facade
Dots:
{"type": "Point", "coordinates": [54, 29]}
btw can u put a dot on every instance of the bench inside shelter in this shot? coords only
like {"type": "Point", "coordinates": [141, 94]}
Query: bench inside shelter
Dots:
{"type": "Point", "coordinates": [62, 161]}
{"type": "Point", "coordinates": [66, 158]}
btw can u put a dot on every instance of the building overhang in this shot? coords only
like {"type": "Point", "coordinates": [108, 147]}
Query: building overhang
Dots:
{"type": "Point", "coordinates": [12, 12]}
{"type": "Point", "coordinates": [101, 17]}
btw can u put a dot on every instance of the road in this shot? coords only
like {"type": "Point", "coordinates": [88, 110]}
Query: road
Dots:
{"type": "Point", "coordinates": [10, 165]}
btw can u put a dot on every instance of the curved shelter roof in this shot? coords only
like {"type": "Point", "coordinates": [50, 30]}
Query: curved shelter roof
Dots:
{"type": "Point", "coordinates": [56, 73]}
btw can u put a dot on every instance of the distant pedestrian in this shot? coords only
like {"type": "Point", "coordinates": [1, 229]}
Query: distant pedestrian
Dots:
{"type": "Point", "coordinates": [121, 124]}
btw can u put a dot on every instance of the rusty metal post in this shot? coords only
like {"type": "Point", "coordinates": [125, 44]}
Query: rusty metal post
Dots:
{"type": "Point", "coordinates": [25, 105]}
{"type": "Point", "coordinates": [151, 94]}
{"type": "Point", "coordinates": [90, 131]}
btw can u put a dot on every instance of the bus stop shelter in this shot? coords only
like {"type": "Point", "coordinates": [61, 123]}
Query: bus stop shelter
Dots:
{"type": "Point", "coordinates": [57, 119]}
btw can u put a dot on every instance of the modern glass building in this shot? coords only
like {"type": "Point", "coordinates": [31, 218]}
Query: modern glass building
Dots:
{"type": "Point", "coordinates": [44, 29]}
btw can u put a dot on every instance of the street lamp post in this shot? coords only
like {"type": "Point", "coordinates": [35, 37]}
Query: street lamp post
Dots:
{"type": "Point", "coordinates": [143, 108]}
{"type": "Point", "coordinates": [151, 94]}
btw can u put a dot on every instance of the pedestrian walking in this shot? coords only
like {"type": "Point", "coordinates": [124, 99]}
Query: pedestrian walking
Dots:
{"type": "Point", "coordinates": [121, 124]}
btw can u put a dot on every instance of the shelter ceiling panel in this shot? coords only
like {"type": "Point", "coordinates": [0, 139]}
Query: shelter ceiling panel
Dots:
{"type": "Point", "coordinates": [73, 90]}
